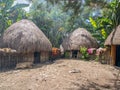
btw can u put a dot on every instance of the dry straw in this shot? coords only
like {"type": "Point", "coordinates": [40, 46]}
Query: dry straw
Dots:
{"type": "Point", "coordinates": [25, 36]}
{"type": "Point", "coordinates": [114, 37]}
{"type": "Point", "coordinates": [79, 37]}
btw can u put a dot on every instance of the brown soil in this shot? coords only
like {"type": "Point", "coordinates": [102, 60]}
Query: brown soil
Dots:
{"type": "Point", "coordinates": [63, 75]}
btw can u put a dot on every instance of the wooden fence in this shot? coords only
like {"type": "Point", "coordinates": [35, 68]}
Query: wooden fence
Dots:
{"type": "Point", "coordinates": [9, 61]}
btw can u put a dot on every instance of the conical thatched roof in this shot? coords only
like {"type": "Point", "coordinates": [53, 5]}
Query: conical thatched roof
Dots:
{"type": "Point", "coordinates": [114, 37]}
{"type": "Point", "coordinates": [25, 36]}
{"type": "Point", "coordinates": [79, 37]}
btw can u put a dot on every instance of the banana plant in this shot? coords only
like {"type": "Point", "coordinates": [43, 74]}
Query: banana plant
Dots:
{"type": "Point", "coordinates": [9, 13]}
{"type": "Point", "coordinates": [103, 25]}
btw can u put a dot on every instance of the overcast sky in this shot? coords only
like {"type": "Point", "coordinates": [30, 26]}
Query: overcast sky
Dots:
{"type": "Point", "coordinates": [22, 1]}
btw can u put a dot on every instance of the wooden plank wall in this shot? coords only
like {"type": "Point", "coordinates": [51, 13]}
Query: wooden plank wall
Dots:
{"type": "Point", "coordinates": [113, 54]}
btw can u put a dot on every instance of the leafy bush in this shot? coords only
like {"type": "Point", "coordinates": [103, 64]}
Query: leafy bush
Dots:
{"type": "Point", "coordinates": [84, 53]}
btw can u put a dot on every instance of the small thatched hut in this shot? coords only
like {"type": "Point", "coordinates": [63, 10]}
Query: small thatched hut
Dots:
{"type": "Point", "coordinates": [113, 40]}
{"type": "Point", "coordinates": [78, 38]}
{"type": "Point", "coordinates": [28, 40]}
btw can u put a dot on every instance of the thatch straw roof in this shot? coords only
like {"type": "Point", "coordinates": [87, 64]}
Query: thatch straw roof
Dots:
{"type": "Point", "coordinates": [25, 36]}
{"type": "Point", "coordinates": [114, 37]}
{"type": "Point", "coordinates": [79, 37]}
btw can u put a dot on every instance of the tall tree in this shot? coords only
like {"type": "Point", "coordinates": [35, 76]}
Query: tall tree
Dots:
{"type": "Point", "coordinates": [51, 20]}
{"type": "Point", "coordinates": [59, 17]}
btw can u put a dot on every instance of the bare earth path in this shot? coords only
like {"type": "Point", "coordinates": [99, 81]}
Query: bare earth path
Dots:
{"type": "Point", "coordinates": [63, 75]}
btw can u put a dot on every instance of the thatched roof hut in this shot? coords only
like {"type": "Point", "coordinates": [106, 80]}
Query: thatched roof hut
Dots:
{"type": "Point", "coordinates": [79, 37]}
{"type": "Point", "coordinates": [113, 38]}
{"type": "Point", "coordinates": [27, 41]}
{"type": "Point", "coordinates": [113, 41]}
{"type": "Point", "coordinates": [25, 36]}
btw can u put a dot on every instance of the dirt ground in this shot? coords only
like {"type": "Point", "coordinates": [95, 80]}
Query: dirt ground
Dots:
{"type": "Point", "coordinates": [63, 74]}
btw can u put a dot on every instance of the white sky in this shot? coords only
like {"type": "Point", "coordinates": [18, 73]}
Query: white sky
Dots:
{"type": "Point", "coordinates": [23, 1]}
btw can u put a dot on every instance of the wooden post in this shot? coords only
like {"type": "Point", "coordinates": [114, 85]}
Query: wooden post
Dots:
{"type": "Point", "coordinates": [113, 54]}
{"type": "Point", "coordinates": [70, 54]}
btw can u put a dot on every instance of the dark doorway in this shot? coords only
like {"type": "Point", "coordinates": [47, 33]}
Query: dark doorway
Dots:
{"type": "Point", "coordinates": [36, 57]}
{"type": "Point", "coordinates": [74, 53]}
{"type": "Point", "coordinates": [118, 55]}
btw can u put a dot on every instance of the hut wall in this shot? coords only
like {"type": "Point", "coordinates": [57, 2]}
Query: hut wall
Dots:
{"type": "Point", "coordinates": [44, 56]}
{"type": "Point", "coordinates": [113, 54]}
{"type": "Point", "coordinates": [70, 54]}
{"type": "Point", "coordinates": [79, 54]}
{"type": "Point", "coordinates": [28, 57]}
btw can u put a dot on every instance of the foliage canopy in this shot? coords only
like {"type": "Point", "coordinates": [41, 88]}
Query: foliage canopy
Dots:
{"type": "Point", "coordinates": [58, 18]}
